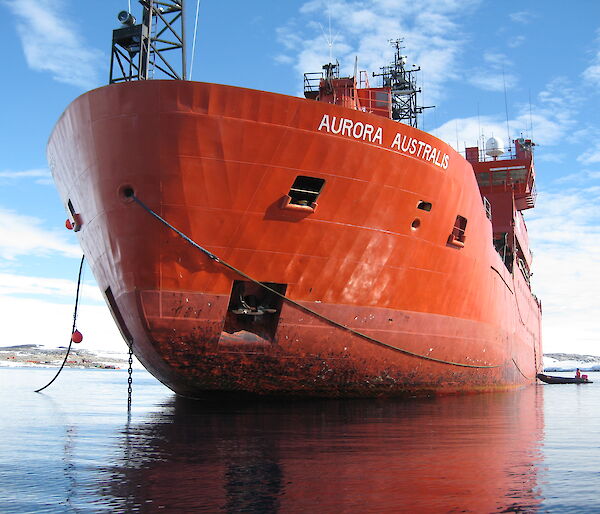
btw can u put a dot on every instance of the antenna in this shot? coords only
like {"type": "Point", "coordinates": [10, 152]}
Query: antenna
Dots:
{"type": "Point", "coordinates": [140, 51]}
{"type": "Point", "coordinates": [328, 38]}
{"type": "Point", "coordinates": [456, 130]}
{"type": "Point", "coordinates": [194, 40]}
{"type": "Point", "coordinates": [530, 118]}
{"type": "Point", "coordinates": [403, 87]}
{"type": "Point", "coordinates": [506, 108]}
{"type": "Point", "coordinates": [422, 77]}
{"type": "Point", "coordinates": [480, 138]}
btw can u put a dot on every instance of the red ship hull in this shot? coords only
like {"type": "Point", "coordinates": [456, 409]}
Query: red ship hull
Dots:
{"type": "Point", "coordinates": [366, 256]}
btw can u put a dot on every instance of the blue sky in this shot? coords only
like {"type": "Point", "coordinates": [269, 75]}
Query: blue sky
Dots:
{"type": "Point", "coordinates": [547, 54]}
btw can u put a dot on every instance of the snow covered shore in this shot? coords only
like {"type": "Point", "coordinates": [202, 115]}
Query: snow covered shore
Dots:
{"type": "Point", "coordinates": [570, 362]}
{"type": "Point", "coordinates": [40, 356]}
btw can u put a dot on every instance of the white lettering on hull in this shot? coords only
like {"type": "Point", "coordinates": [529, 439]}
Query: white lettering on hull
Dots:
{"type": "Point", "coordinates": [372, 134]}
{"type": "Point", "coordinates": [347, 127]}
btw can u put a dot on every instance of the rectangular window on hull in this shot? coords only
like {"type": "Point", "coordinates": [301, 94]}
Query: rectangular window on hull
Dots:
{"type": "Point", "coordinates": [303, 195]}
{"type": "Point", "coordinates": [305, 190]}
{"type": "Point", "coordinates": [424, 206]}
{"type": "Point", "coordinates": [457, 237]}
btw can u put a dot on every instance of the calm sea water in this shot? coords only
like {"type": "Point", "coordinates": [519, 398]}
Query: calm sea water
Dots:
{"type": "Point", "coordinates": [74, 449]}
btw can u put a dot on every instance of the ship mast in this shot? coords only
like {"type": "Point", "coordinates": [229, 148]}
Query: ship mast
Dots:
{"type": "Point", "coordinates": [403, 87]}
{"type": "Point", "coordinates": [149, 50]}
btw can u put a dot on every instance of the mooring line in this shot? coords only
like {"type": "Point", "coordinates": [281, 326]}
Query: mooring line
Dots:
{"type": "Point", "coordinates": [299, 305]}
{"type": "Point", "coordinates": [72, 330]}
{"type": "Point", "coordinates": [519, 370]}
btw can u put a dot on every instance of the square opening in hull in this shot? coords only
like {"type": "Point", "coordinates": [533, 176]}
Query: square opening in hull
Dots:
{"type": "Point", "coordinates": [253, 308]}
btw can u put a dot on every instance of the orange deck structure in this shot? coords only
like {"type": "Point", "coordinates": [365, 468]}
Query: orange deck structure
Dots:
{"type": "Point", "coordinates": [385, 273]}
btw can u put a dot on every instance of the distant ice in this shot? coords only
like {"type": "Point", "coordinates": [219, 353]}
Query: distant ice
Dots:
{"type": "Point", "coordinates": [570, 362]}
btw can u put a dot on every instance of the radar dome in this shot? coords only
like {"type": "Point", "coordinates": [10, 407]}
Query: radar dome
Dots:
{"type": "Point", "coordinates": [494, 147]}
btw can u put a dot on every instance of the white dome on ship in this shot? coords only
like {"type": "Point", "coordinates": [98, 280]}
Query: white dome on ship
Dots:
{"type": "Point", "coordinates": [494, 147]}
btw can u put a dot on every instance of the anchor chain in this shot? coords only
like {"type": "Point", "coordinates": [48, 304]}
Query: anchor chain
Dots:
{"type": "Point", "coordinates": [129, 373]}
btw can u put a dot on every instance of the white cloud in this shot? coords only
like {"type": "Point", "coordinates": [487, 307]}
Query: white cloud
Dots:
{"type": "Point", "coordinates": [565, 232]}
{"type": "Point", "coordinates": [491, 81]}
{"type": "Point", "coordinates": [41, 172]}
{"type": "Point", "coordinates": [27, 321]}
{"type": "Point", "coordinates": [283, 59]}
{"type": "Point", "coordinates": [459, 133]}
{"type": "Point", "coordinates": [579, 177]}
{"type": "Point", "coordinates": [497, 60]}
{"type": "Point", "coordinates": [550, 120]}
{"type": "Point", "coordinates": [493, 76]}
{"type": "Point", "coordinates": [40, 176]}
{"type": "Point", "coordinates": [24, 235]}
{"type": "Point", "coordinates": [11, 284]}
{"type": "Point", "coordinates": [589, 137]}
{"type": "Point", "coordinates": [547, 127]}
{"type": "Point", "coordinates": [51, 44]}
{"type": "Point", "coordinates": [590, 156]}
{"type": "Point", "coordinates": [523, 17]}
{"type": "Point", "coordinates": [551, 157]}
{"type": "Point", "coordinates": [516, 41]}
{"type": "Point", "coordinates": [592, 73]}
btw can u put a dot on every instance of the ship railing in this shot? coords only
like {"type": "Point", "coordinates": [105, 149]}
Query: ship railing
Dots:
{"type": "Point", "coordinates": [488, 208]}
{"type": "Point", "coordinates": [512, 152]}
{"type": "Point", "coordinates": [526, 273]}
{"type": "Point", "coordinates": [312, 82]}
{"type": "Point", "coordinates": [532, 196]}
{"type": "Point", "coordinates": [509, 154]}
{"type": "Point", "coordinates": [363, 80]}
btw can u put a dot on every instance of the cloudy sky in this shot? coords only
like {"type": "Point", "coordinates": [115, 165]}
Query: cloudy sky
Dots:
{"type": "Point", "coordinates": [491, 68]}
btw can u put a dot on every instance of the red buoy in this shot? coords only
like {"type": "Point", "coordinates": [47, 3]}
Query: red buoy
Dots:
{"type": "Point", "coordinates": [77, 336]}
{"type": "Point", "coordinates": [68, 224]}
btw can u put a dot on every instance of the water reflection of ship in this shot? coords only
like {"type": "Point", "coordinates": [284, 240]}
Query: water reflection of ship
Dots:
{"type": "Point", "coordinates": [469, 454]}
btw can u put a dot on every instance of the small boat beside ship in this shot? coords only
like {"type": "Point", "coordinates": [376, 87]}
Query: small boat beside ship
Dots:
{"type": "Point", "coordinates": [549, 379]}
{"type": "Point", "coordinates": [249, 242]}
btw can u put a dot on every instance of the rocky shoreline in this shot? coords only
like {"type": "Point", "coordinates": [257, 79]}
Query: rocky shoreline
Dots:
{"type": "Point", "coordinates": [35, 355]}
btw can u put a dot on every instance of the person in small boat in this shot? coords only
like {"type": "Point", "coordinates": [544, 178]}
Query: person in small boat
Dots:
{"type": "Point", "coordinates": [577, 373]}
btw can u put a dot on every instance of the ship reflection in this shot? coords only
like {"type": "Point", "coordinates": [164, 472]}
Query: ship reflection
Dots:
{"type": "Point", "coordinates": [474, 453]}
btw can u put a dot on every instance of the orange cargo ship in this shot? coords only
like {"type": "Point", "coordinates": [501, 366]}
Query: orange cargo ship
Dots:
{"type": "Point", "coordinates": [252, 242]}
